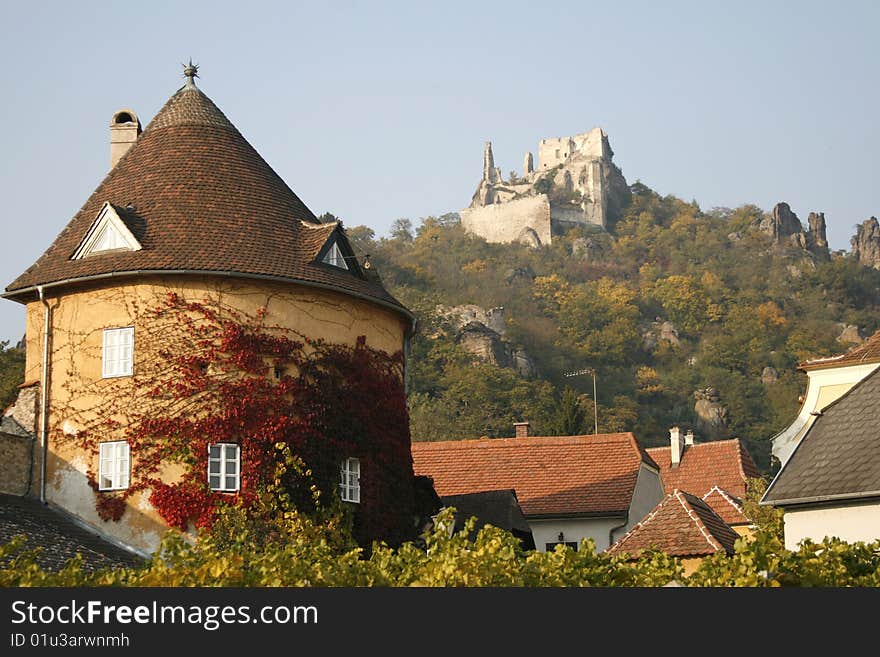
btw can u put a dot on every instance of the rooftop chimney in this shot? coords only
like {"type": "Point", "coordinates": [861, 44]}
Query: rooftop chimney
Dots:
{"type": "Point", "coordinates": [689, 437]}
{"type": "Point", "coordinates": [522, 429]}
{"type": "Point", "coordinates": [676, 446]}
{"type": "Point", "coordinates": [124, 130]}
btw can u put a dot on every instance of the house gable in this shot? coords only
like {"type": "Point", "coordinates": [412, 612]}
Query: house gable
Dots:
{"type": "Point", "coordinates": [681, 525]}
{"type": "Point", "coordinates": [839, 457]}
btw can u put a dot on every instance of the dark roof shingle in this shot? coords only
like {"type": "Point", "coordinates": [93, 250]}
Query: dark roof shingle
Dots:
{"type": "Point", "coordinates": [59, 537]}
{"type": "Point", "coordinates": [839, 457]}
{"type": "Point", "coordinates": [199, 198]}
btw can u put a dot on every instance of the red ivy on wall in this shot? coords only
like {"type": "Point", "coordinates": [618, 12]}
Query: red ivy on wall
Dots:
{"type": "Point", "coordinates": [330, 402]}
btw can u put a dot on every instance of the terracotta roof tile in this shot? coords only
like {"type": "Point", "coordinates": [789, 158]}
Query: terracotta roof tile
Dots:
{"type": "Point", "coordinates": [551, 475]}
{"type": "Point", "coordinates": [199, 197]}
{"type": "Point", "coordinates": [681, 525]}
{"type": "Point", "coordinates": [727, 506]}
{"type": "Point", "coordinates": [867, 352]}
{"type": "Point", "coordinates": [723, 463]}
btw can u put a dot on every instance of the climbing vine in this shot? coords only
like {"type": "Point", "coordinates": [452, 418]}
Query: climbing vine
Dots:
{"type": "Point", "coordinates": [209, 374]}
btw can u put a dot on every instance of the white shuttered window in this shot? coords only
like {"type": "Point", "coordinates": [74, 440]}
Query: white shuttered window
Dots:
{"type": "Point", "coordinates": [224, 466]}
{"type": "Point", "coordinates": [350, 480]}
{"type": "Point", "coordinates": [115, 465]}
{"type": "Point", "coordinates": [118, 357]}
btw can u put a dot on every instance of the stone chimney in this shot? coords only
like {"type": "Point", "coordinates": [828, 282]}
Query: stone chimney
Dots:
{"type": "Point", "coordinates": [522, 429]}
{"type": "Point", "coordinates": [676, 446]}
{"type": "Point", "coordinates": [689, 437]}
{"type": "Point", "coordinates": [124, 131]}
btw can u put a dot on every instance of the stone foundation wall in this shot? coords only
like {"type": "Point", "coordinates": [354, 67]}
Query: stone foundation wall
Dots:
{"type": "Point", "coordinates": [17, 458]}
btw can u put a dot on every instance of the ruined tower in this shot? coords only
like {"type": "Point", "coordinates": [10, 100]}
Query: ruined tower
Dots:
{"type": "Point", "coordinates": [575, 183]}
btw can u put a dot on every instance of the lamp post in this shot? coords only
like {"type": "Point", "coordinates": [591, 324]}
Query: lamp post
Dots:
{"type": "Point", "coordinates": [592, 371]}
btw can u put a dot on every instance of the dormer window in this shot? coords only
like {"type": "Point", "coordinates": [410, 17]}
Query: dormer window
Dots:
{"type": "Point", "coordinates": [334, 257]}
{"type": "Point", "coordinates": [107, 234]}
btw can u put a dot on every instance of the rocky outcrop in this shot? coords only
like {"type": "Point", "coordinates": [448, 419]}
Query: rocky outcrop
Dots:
{"type": "Point", "coordinates": [866, 243]}
{"type": "Point", "coordinates": [769, 376]}
{"type": "Point", "coordinates": [817, 242]}
{"type": "Point", "coordinates": [786, 231]}
{"type": "Point", "coordinates": [459, 316]}
{"type": "Point", "coordinates": [481, 332]}
{"type": "Point", "coordinates": [660, 331]}
{"type": "Point", "coordinates": [489, 347]}
{"type": "Point", "coordinates": [711, 414]}
{"type": "Point", "coordinates": [783, 227]}
{"type": "Point", "coordinates": [484, 343]}
{"type": "Point", "coordinates": [850, 334]}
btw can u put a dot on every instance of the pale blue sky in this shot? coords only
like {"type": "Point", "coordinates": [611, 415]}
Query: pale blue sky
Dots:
{"type": "Point", "coordinates": [376, 111]}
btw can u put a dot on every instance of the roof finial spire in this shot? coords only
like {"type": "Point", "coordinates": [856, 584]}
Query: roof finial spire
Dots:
{"type": "Point", "coordinates": [190, 72]}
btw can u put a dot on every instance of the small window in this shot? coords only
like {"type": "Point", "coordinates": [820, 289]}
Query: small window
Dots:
{"type": "Point", "coordinates": [114, 466]}
{"type": "Point", "coordinates": [334, 257]}
{"type": "Point", "coordinates": [224, 461]}
{"type": "Point", "coordinates": [277, 372]}
{"type": "Point", "coordinates": [118, 352]}
{"type": "Point", "coordinates": [350, 480]}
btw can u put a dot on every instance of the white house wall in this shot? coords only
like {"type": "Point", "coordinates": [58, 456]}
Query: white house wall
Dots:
{"type": "Point", "coordinates": [573, 529]}
{"type": "Point", "coordinates": [647, 494]}
{"type": "Point", "coordinates": [853, 522]}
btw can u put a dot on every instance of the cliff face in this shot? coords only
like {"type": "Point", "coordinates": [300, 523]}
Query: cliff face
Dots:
{"type": "Point", "coordinates": [575, 182]}
{"type": "Point", "coordinates": [866, 243]}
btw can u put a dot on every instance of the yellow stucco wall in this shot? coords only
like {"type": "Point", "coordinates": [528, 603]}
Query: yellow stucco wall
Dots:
{"type": "Point", "coordinates": [78, 396]}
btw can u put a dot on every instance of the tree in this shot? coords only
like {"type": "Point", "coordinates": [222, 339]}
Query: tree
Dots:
{"type": "Point", "coordinates": [11, 373]}
{"type": "Point", "coordinates": [570, 420]}
{"type": "Point", "coordinates": [401, 230]}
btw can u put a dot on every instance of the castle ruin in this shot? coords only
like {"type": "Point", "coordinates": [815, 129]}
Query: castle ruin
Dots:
{"type": "Point", "coordinates": [575, 183]}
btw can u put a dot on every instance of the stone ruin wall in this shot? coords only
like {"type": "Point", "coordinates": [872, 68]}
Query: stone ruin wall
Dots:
{"type": "Point", "coordinates": [511, 221]}
{"type": "Point", "coordinates": [556, 151]}
{"type": "Point", "coordinates": [586, 187]}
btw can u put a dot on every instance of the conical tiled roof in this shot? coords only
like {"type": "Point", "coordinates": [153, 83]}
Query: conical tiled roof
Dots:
{"type": "Point", "coordinates": [199, 199]}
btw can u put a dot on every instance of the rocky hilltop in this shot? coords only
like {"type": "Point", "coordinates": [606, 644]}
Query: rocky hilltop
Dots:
{"type": "Point", "coordinates": [866, 243]}
{"type": "Point", "coordinates": [575, 183]}
{"type": "Point", "coordinates": [786, 231]}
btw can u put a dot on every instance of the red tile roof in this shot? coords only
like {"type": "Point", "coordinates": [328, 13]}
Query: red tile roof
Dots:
{"type": "Point", "coordinates": [198, 197]}
{"type": "Point", "coordinates": [867, 352]}
{"type": "Point", "coordinates": [727, 506]}
{"type": "Point", "coordinates": [723, 463]}
{"type": "Point", "coordinates": [554, 475]}
{"type": "Point", "coordinates": [681, 525]}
